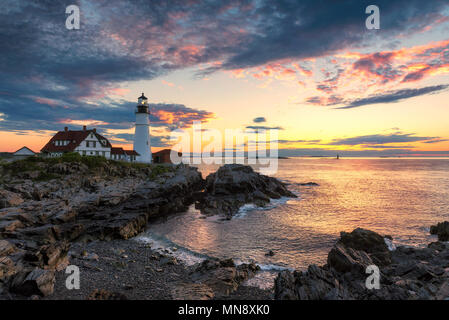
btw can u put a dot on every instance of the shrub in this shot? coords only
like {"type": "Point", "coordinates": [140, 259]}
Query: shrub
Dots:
{"type": "Point", "coordinates": [159, 169]}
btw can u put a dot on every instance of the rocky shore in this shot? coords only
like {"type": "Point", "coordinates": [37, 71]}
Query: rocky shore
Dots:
{"type": "Point", "coordinates": [81, 211]}
{"type": "Point", "coordinates": [406, 273]}
{"type": "Point", "coordinates": [50, 206]}
{"type": "Point", "coordinates": [234, 185]}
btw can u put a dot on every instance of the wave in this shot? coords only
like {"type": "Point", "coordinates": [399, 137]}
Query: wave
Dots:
{"type": "Point", "coordinates": [163, 245]}
{"type": "Point", "coordinates": [274, 267]}
{"type": "Point", "coordinates": [264, 279]}
{"type": "Point", "coordinates": [271, 205]}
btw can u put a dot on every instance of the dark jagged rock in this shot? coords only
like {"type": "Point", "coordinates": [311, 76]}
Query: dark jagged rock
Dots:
{"type": "Point", "coordinates": [234, 185]}
{"type": "Point", "coordinates": [369, 242]}
{"type": "Point", "coordinates": [408, 274]}
{"type": "Point", "coordinates": [270, 253]}
{"type": "Point", "coordinates": [101, 294]}
{"type": "Point", "coordinates": [40, 218]}
{"type": "Point", "coordinates": [442, 230]}
{"type": "Point", "coordinates": [222, 276]}
{"type": "Point", "coordinates": [9, 199]}
{"type": "Point", "coordinates": [37, 282]}
{"type": "Point", "coordinates": [344, 259]}
{"type": "Point", "coordinates": [309, 184]}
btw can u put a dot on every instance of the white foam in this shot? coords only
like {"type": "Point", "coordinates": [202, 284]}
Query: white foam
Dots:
{"type": "Point", "coordinates": [184, 255]}
{"type": "Point", "coordinates": [263, 280]}
{"type": "Point", "coordinates": [273, 267]}
{"type": "Point", "coordinates": [251, 206]}
{"type": "Point", "coordinates": [390, 244]}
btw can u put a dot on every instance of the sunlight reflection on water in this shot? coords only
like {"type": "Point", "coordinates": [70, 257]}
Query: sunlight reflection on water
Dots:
{"type": "Point", "coordinates": [397, 197]}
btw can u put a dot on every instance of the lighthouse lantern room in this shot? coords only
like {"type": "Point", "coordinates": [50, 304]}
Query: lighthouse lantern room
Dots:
{"type": "Point", "coordinates": [142, 132]}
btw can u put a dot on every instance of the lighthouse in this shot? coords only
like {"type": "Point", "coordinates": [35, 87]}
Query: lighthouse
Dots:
{"type": "Point", "coordinates": [142, 133]}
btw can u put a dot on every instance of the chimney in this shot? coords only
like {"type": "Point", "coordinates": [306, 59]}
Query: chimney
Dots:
{"type": "Point", "coordinates": [95, 130]}
{"type": "Point", "coordinates": [84, 128]}
{"type": "Point", "coordinates": [66, 129]}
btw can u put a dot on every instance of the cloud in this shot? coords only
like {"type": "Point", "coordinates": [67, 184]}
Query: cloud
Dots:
{"type": "Point", "coordinates": [318, 152]}
{"type": "Point", "coordinates": [49, 74]}
{"type": "Point", "coordinates": [380, 139]}
{"type": "Point", "coordinates": [264, 128]}
{"type": "Point", "coordinates": [436, 141]}
{"type": "Point", "coordinates": [298, 141]}
{"type": "Point", "coordinates": [299, 30]}
{"type": "Point", "coordinates": [259, 120]}
{"type": "Point", "coordinates": [393, 96]}
{"type": "Point", "coordinates": [23, 113]}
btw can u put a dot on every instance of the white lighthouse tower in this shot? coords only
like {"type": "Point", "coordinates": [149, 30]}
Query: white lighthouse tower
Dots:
{"type": "Point", "coordinates": [142, 133]}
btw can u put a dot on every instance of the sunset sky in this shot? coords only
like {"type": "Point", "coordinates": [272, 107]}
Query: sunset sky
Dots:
{"type": "Point", "coordinates": [309, 68]}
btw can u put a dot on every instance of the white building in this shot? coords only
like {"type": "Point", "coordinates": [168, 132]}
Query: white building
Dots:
{"type": "Point", "coordinates": [142, 143]}
{"type": "Point", "coordinates": [23, 152]}
{"type": "Point", "coordinates": [90, 143]}
{"type": "Point", "coordinates": [86, 143]}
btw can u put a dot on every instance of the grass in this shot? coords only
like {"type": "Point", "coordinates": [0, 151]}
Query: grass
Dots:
{"type": "Point", "coordinates": [41, 164]}
{"type": "Point", "coordinates": [44, 176]}
{"type": "Point", "coordinates": [159, 169]}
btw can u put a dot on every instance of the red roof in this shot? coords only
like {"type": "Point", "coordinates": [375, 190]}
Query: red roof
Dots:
{"type": "Point", "coordinates": [165, 151]}
{"type": "Point", "coordinates": [117, 151]}
{"type": "Point", "coordinates": [131, 153]}
{"type": "Point", "coordinates": [120, 151]}
{"type": "Point", "coordinates": [75, 138]}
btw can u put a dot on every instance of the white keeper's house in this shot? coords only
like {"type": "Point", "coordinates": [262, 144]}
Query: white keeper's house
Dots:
{"type": "Point", "coordinates": [86, 143]}
{"type": "Point", "coordinates": [90, 143]}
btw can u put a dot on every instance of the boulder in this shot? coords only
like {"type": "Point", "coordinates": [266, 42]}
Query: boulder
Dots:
{"type": "Point", "coordinates": [8, 268]}
{"type": "Point", "coordinates": [409, 273]}
{"type": "Point", "coordinates": [37, 282]}
{"type": "Point", "coordinates": [234, 185]}
{"type": "Point", "coordinates": [6, 248]}
{"type": "Point", "coordinates": [284, 286]}
{"type": "Point", "coordinates": [192, 291]}
{"type": "Point", "coordinates": [9, 199]}
{"type": "Point", "coordinates": [223, 277]}
{"type": "Point", "coordinates": [314, 284]}
{"type": "Point", "coordinates": [368, 241]}
{"type": "Point", "coordinates": [345, 259]}
{"type": "Point", "coordinates": [442, 230]}
{"type": "Point", "coordinates": [10, 226]}
{"type": "Point", "coordinates": [101, 294]}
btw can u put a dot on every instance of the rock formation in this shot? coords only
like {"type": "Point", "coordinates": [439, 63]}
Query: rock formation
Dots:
{"type": "Point", "coordinates": [442, 230]}
{"type": "Point", "coordinates": [47, 205]}
{"type": "Point", "coordinates": [234, 185]}
{"type": "Point", "coordinates": [406, 273]}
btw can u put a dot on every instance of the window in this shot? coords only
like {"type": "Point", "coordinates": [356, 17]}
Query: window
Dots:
{"type": "Point", "coordinates": [97, 153]}
{"type": "Point", "coordinates": [95, 144]}
{"type": "Point", "coordinates": [84, 152]}
{"type": "Point", "coordinates": [87, 144]}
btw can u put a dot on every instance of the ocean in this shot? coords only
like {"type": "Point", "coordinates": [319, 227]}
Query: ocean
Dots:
{"type": "Point", "coordinates": [400, 197]}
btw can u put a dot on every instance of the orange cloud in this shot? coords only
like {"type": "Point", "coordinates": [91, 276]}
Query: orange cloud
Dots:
{"type": "Point", "coordinates": [87, 122]}
{"type": "Point", "coordinates": [170, 84]}
{"type": "Point", "coordinates": [50, 102]}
